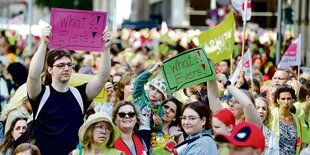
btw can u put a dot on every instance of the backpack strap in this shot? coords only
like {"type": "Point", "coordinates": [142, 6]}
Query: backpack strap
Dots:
{"type": "Point", "coordinates": [44, 98]}
{"type": "Point", "coordinates": [78, 97]}
{"type": "Point", "coordinates": [47, 93]}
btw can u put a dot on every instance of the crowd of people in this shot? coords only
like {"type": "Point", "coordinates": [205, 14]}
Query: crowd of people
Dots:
{"type": "Point", "coordinates": [123, 106]}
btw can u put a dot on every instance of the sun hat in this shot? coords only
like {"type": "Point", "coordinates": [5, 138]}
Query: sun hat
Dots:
{"type": "Point", "coordinates": [20, 95]}
{"type": "Point", "coordinates": [244, 134]}
{"type": "Point", "coordinates": [160, 84]}
{"type": "Point", "coordinates": [98, 117]}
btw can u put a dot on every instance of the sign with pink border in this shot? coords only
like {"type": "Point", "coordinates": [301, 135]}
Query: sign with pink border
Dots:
{"type": "Point", "coordinates": [77, 29]}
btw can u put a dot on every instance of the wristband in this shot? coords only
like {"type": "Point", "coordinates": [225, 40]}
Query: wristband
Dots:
{"type": "Point", "coordinates": [227, 84]}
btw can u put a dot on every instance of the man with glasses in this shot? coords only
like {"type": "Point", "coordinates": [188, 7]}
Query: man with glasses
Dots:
{"type": "Point", "coordinates": [58, 120]}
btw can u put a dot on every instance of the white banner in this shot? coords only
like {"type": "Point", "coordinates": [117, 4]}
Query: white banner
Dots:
{"type": "Point", "coordinates": [240, 6]}
{"type": "Point", "coordinates": [292, 56]}
{"type": "Point", "coordinates": [247, 68]}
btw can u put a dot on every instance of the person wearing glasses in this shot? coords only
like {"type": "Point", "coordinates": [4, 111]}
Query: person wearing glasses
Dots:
{"type": "Point", "coordinates": [97, 136]}
{"type": "Point", "coordinates": [56, 126]}
{"type": "Point", "coordinates": [127, 119]}
{"type": "Point", "coordinates": [284, 123]}
{"type": "Point", "coordinates": [17, 128]}
{"type": "Point", "coordinates": [242, 104]}
{"type": "Point", "coordinates": [196, 121]}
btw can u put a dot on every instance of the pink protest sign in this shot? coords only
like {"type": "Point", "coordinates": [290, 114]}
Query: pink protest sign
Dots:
{"type": "Point", "coordinates": [77, 29]}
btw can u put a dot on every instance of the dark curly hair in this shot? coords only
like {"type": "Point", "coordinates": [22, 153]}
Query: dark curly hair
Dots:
{"type": "Point", "coordinates": [179, 110]}
{"type": "Point", "coordinates": [281, 89]}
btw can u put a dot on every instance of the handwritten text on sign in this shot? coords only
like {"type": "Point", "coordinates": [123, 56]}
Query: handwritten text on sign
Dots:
{"type": "Point", "coordinates": [77, 29]}
{"type": "Point", "coordinates": [187, 69]}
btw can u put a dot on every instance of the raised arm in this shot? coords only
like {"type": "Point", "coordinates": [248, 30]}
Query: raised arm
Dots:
{"type": "Point", "coordinates": [142, 79]}
{"type": "Point", "coordinates": [214, 101]}
{"type": "Point", "coordinates": [95, 85]}
{"type": "Point", "coordinates": [250, 112]}
{"type": "Point", "coordinates": [37, 65]}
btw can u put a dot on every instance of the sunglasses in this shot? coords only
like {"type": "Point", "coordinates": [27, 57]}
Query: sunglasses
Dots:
{"type": "Point", "coordinates": [129, 114]}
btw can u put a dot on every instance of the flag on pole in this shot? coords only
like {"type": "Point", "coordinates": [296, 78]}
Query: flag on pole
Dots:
{"type": "Point", "coordinates": [240, 6]}
{"type": "Point", "coordinates": [292, 56]}
{"type": "Point", "coordinates": [247, 68]}
{"type": "Point", "coordinates": [219, 41]}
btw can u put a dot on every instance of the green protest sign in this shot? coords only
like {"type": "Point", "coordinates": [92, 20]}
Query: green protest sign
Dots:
{"type": "Point", "coordinates": [219, 40]}
{"type": "Point", "coordinates": [187, 69]}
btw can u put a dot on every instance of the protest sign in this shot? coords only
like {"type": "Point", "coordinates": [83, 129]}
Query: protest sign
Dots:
{"type": "Point", "coordinates": [219, 41]}
{"type": "Point", "coordinates": [187, 69]}
{"type": "Point", "coordinates": [77, 29]}
{"type": "Point", "coordinates": [78, 79]}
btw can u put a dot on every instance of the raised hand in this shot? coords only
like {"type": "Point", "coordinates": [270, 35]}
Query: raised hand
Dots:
{"type": "Point", "coordinates": [107, 38]}
{"type": "Point", "coordinates": [156, 67]}
{"type": "Point", "coordinates": [46, 33]}
{"type": "Point", "coordinates": [221, 78]}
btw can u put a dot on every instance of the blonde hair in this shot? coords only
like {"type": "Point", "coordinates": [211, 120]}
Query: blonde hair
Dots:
{"type": "Point", "coordinates": [34, 150]}
{"type": "Point", "coordinates": [296, 86]}
{"type": "Point", "coordinates": [305, 76]}
{"type": "Point", "coordinates": [88, 137]}
{"type": "Point", "coordinates": [119, 92]}
{"type": "Point", "coordinates": [268, 117]}
{"type": "Point", "coordinates": [17, 101]}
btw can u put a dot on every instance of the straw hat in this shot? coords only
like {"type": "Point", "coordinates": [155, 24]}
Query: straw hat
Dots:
{"type": "Point", "coordinates": [20, 95]}
{"type": "Point", "coordinates": [98, 117]}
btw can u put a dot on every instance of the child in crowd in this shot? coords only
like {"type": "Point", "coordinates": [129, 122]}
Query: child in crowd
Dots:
{"type": "Point", "coordinates": [149, 102]}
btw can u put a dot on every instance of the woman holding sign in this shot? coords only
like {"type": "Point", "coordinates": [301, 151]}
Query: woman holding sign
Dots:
{"type": "Point", "coordinates": [58, 108]}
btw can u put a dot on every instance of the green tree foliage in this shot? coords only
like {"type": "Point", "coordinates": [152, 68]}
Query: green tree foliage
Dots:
{"type": "Point", "coordinates": [68, 4]}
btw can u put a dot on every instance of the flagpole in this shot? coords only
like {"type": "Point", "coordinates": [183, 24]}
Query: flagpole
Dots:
{"type": "Point", "coordinates": [231, 66]}
{"type": "Point", "coordinates": [243, 33]}
{"type": "Point", "coordinates": [298, 75]}
{"type": "Point", "coordinates": [299, 51]}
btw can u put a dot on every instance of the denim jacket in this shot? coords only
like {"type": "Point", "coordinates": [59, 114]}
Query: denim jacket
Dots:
{"type": "Point", "coordinates": [201, 143]}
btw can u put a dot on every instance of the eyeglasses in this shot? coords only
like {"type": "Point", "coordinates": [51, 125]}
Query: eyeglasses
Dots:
{"type": "Point", "coordinates": [232, 102]}
{"type": "Point", "coordinates": [129, 114]}
{"type": "Point", "coordinates": [190, 118]}
{"type": "Point", "coordinates": [63, 65]}
{"type": "Point", "coordinates": [100, 128]}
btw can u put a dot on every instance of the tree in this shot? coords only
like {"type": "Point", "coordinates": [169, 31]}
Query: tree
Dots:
{"type": "Point", "coordinates": [69, 4]}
